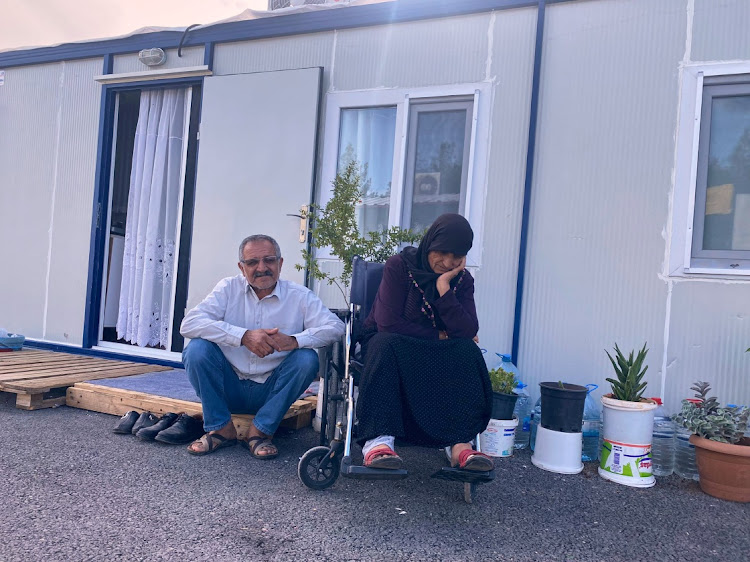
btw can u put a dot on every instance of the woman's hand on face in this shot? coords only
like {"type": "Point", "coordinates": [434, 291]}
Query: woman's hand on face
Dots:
{"type": "Point", "coordinates": [444, 281]}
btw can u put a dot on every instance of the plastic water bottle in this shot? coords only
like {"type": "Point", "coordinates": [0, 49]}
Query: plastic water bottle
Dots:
{"type": "Point", "coordinates": [590, 427]}
{"type": "Point", "coordinates": [684, 454]}
{"type": "Point", "coordinates": [522, 411]}
{"type": "Point", "coordinates": [663, 441]}
{"type": "Point", "coordinates": [536, 419]}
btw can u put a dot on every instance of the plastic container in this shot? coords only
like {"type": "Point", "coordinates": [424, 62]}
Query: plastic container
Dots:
{"type": "Point", "coordinates": [562, 406]}
{"type": "Point", "coordinates": [536, 416]}
{"type": "Point", "coordinates": [497, 439]}
{"type": "Point", "coordinates": [590, 426]}
{"type": "Point", "coordinates": [662, 443]}
{"type": "Point", "coordinates": [556, 451]}
{"type": "Point", "coordinates": [522, 412]}
{"type": "Point", "coordinates": [626, 451]}
{"type": "Point", "coordinates": [684, 455]}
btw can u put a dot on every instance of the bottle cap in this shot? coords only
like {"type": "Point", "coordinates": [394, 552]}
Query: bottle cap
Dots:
{"type": "Point", "coordinates": [504, 357]}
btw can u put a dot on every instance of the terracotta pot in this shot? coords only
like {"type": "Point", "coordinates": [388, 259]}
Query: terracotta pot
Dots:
{"type": "Point", "coordinates": [724, 469]}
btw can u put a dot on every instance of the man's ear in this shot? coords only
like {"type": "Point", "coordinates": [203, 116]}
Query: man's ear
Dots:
{"type": "Point", "coordinates": [239, 265]}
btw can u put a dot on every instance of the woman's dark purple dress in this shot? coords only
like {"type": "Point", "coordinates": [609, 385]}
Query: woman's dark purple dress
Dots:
{"type": "Point", "coordinates": [415, 386]}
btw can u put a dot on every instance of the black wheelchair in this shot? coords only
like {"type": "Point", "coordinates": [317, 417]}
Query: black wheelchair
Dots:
{"type": "Point", "coordinates": [319, 467]}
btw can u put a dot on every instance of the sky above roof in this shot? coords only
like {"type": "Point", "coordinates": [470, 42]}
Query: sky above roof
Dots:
{"type": "Point", "coordinates": [32, 23]}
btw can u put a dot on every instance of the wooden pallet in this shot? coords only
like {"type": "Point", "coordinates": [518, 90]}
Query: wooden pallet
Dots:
{"type": "Point", "coordinates": [118, 401]}
{"type": "Point", "coordinates": [39, 378]}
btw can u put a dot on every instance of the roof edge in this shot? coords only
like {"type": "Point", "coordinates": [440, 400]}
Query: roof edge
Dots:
{"type": "Point", "coordinates": [263, 28]}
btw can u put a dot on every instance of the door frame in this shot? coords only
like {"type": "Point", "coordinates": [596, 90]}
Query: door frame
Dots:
{"type": "Point", "coordinates": [104, 167]}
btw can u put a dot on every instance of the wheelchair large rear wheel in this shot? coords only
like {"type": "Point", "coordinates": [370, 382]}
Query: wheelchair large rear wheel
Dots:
{"type": "Point", "coordinates": [312, 475]}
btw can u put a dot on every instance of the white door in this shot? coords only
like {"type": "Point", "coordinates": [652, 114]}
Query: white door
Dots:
{"type": "Point", "coordinates": [256, 158]}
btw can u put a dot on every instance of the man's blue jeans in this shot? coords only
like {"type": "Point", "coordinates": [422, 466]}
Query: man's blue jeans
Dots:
{"type": "Point", "coordinates": [223, 393]}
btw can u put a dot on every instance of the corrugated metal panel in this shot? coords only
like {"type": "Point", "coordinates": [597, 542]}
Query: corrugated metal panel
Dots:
{"type": "Point", "coordinates": [421, 53]}
{"type": "Point", "coordinates": [512, 67]}
{"type": "Point", "coordinates": [720, 30]}
{"type": "Point", "coordinates": [191, 56]}
{"type": "Point", "coordinates": [605, 151]}
{"type": "Point", "coordinates": [708, 335]}
{"type": "Point", "coordinates": [74, 195]}
{"type": "Point", "coordinates": [284, 53]}
{"type": "Point", "coordinates": [29, 114]}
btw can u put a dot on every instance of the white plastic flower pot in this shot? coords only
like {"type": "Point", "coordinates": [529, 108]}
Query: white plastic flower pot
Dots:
{"type": "Point", "coordinates": [625, 457]}
{"type": "Point", "coordinates": [557, 451]}
{"type": "Point", "coordinates": [497, 440]}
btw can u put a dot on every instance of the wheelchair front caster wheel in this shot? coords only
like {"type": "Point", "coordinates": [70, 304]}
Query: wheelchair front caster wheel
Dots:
{"type": "Point", "coordinates": [312, 475]}
{"type": "Point", "coordinates": [469, 490]}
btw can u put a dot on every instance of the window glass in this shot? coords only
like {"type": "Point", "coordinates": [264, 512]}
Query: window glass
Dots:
{"type": "Point", "coordinates": [437, 162]}
{"type": "Point", "coordinates": [727, 208]}
{"type": "Point", "coordinates": [367, 136]}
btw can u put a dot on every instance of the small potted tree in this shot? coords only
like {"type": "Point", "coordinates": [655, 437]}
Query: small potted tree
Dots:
{"type": "Point", "coordinates": [335, 226]}
{"type": "Point", "coordinates": [628, 421]}
{"type": "Point", "coordinates": [722, 453]}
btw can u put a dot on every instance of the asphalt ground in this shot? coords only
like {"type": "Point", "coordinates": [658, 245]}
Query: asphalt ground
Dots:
{"type": "Point", "coordinates": [70, 489]}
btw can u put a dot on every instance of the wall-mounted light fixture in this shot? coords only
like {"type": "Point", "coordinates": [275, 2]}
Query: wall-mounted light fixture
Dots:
{"type": "Point", "coordinates": [152, 57]}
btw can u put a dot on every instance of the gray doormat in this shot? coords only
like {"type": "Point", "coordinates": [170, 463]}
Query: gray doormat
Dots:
{"type": "Point", "coordinates": [170, 384]}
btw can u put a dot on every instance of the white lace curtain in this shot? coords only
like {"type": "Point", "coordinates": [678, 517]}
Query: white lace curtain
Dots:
{"type": "Point", "coordinates": [145, 309]}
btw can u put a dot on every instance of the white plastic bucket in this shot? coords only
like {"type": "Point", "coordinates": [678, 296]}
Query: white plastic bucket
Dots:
{"type": "Point", "coordinates": [628, 427]}
{"type": "Point", "coordinates": [497, 440]}
{"type": "Point", "coordinates": [556, 451]}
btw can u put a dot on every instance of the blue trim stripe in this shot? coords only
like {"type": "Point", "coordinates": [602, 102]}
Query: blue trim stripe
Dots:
{"type": "Point", "coordinates": [263, 28]}
{"type": "Point", "coordinates": [99, 353]}
{"type": "Point", "coordinates": [530, 150]}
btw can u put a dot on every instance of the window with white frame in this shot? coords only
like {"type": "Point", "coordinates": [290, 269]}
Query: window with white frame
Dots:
{"type": "Point", "coordinates": [712, 180]}
{"type": "Point", "coordinates": [416, 151]}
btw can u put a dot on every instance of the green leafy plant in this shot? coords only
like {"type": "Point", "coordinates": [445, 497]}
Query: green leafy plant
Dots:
{"type": "Point", "coordinates": [709, 419]}
{"type": "Point", "coordinates": [628, 385]}
{"type": "Point", "coordinates": [502, 381]}
{"type": "Point", "coordinates": [335, 225]}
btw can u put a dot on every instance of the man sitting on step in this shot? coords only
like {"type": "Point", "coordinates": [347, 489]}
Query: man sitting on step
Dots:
{"type": "Point", "coordinates": [252, 348]}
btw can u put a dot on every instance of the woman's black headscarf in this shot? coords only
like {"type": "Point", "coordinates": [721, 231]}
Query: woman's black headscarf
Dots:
{"type": "Point", "coordinates": [449, 233]}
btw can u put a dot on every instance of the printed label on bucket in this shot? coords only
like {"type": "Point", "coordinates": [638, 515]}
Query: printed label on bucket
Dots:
{"type": "Point", "coordinates": [626, 460]}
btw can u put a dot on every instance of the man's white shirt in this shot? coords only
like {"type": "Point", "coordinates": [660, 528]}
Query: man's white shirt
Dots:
{"type": "Point", "coordinates": [233, 307]}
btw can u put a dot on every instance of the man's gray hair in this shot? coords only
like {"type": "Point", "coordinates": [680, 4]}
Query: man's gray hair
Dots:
{"type": "Point", "coordinates": [260, 238]}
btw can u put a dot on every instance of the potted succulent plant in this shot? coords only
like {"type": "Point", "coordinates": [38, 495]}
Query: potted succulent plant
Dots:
{"type": "Point", "coordinates": [722, 453]}
{"type": "Point", "coordinates": [627, 423]}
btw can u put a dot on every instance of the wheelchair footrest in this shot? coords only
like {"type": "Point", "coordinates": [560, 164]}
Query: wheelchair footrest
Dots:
{"type": "Point", "coordinates": [366, 473]}
{"type": "Point", "coordinates": [460, 475]}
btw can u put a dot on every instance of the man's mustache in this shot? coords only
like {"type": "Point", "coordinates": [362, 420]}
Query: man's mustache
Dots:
{"type": "Point", "coordinates": [264, 274]}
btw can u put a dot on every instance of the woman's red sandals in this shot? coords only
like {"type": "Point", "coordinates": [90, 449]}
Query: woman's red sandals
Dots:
{"type": "Point", "coordinates": [382, 456]}
{"type": "Point", "coordinates": [469, 459]}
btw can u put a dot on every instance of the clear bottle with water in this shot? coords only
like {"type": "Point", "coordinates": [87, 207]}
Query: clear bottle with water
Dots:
{"type": "Point", "coordinates": [590, 427]}
{"type": "Point", "coordinates": [522, 411]}
{"type": "Point", "coordinates": [684, 454]}
{"type": "Point", "coordinates": [536, 419]}
{"type": "Point", "coordinates": [663, 442]}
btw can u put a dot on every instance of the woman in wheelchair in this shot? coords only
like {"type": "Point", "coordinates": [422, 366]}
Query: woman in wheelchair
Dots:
{"type": "Point", "coordinates": [425, 381]}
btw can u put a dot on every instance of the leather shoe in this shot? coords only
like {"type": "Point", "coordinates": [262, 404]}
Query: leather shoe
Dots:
{"type": "Point", "coordinates": [148, 433]}
{"type": "Point", "coordinates": [184, 430]}
{"type": "Point", "coordinates": [146, 419]}
{"type": "Point", "coordinates": [126, 422]}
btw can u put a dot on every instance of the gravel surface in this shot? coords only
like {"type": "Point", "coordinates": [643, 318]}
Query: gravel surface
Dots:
{"type": "Point", "coordinates": [73, 490]}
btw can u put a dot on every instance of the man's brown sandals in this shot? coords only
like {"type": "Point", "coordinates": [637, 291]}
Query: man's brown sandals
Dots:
{"type": "Point", "coordinates": [260, 447]}
{"type": "Point", "coordinates": [211, 442]}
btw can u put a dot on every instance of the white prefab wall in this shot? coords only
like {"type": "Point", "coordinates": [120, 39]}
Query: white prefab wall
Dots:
{"type": "Point", "coordinates": [48, 142]}
{"type": "Point", "coordinates": [605, 149]}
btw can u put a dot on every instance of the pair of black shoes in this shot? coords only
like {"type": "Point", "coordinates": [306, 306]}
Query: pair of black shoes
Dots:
{"type": "Point", "coordinates": [170, 428]}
